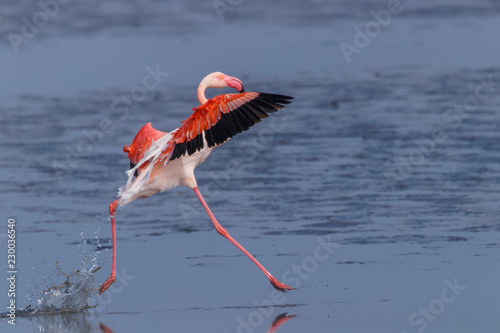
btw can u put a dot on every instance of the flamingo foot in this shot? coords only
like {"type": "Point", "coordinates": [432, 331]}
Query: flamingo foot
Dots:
{"type": "Point", "coordinates": [107, 284]}
{"type": "Point", "coordinates": [280, 285]}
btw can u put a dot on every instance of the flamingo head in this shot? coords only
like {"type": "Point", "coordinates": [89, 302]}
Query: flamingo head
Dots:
{"type": "Point", "coordinates": [221, 80]}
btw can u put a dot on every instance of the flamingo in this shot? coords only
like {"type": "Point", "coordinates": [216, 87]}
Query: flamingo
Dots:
{"type": "Point", "coordinates": [160, 161]}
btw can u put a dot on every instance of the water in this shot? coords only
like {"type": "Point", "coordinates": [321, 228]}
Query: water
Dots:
{"type": "Point", "coordinates": [373, 192]}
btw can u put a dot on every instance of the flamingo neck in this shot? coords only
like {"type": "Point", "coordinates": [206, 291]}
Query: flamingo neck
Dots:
{"type": "Point", "coordinates": [201, 93]}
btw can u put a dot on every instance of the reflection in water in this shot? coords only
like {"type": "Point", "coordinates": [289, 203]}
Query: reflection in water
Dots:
{"type": "Point", "coordinates": [66, 322]}
{"type": "Point", "coordinates": [105, 329]}
{"type": "Point", "coordinates": [279, 320]}
{"type": "Point", "coordinates": [82, 323]}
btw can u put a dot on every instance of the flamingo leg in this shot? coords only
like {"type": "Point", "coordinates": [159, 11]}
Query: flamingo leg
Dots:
{"type": "Point", "coordinates": [112, 277]}
{"type": "Point", "coordinates": [276, 284]}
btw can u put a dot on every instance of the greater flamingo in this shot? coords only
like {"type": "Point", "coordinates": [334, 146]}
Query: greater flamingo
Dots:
{"type": "Point", "coordinates": [160, 161]}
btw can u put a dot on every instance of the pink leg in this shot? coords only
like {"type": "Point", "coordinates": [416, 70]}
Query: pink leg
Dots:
{"type": "Point", "coordinates": [112, 277]}
{"type": "Point", "coordinates": [276, 284]}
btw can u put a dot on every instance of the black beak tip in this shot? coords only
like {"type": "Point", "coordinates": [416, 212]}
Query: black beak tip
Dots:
{"type": "Point", "coordinates": [242, 90]}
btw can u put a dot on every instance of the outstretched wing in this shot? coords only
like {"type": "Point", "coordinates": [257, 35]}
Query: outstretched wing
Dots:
{"type": "Point", "coordinates": [213, 123]}
{"type": "Point", "coordinates": [222, 117]}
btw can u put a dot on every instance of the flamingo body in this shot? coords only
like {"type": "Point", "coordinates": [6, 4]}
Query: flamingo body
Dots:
{"type": "Point", "coordinates": [161, 161]}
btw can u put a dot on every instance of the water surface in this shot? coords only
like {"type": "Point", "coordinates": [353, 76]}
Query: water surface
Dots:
{"type": "Point", "coordinates": [373, 157]}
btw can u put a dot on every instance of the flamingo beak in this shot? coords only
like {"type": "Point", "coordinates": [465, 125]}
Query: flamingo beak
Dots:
{"type": "Point", "coordinates": [234, 83]}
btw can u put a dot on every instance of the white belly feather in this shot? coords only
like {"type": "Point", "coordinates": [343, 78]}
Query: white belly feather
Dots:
{"type": "Point", "coordinates": [162, 176]}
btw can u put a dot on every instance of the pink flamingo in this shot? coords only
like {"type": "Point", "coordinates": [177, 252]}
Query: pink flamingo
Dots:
{"type": "Point", "coordinates": [160, 161]}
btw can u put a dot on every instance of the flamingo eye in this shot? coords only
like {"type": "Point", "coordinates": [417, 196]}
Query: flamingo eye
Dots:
{"type": "Point", "coordinates": [221, 77]}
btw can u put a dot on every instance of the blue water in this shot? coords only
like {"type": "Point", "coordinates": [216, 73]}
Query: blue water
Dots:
{"type": "Point", "coordinates": [391, 156]}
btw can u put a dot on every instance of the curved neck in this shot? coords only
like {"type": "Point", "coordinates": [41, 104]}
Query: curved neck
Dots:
{"type": "Point", "coordinates": [201, 93]}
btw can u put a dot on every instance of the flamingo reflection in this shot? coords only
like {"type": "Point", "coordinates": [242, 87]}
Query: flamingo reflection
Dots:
{"type": "Point", "coordinates": [278, 321]}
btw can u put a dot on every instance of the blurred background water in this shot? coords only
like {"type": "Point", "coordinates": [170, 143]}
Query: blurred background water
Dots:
{"type": "Point", "coordinates": [389, 154]}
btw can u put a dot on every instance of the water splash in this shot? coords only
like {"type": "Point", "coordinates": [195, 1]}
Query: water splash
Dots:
{"type": "Point", "coordinates": [74, 293]}
{"type": "Point", "coordinates": [71, 296]}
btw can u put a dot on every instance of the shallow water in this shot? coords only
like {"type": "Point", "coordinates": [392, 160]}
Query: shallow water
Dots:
{"type": "Point", "coordinates": [373, 157]}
